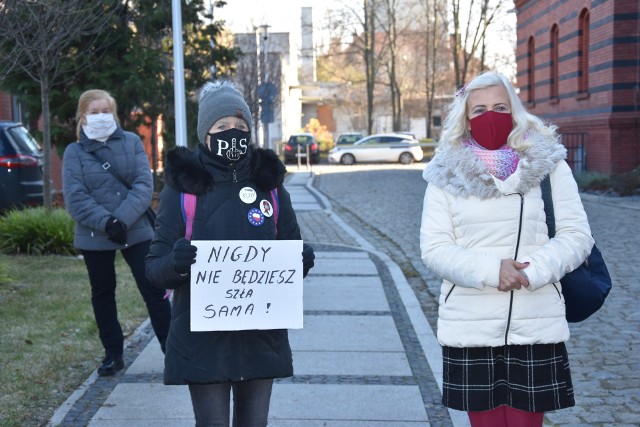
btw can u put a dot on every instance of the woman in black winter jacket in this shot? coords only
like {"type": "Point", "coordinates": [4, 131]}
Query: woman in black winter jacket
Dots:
{"type": "Point", "coordinates": [220, 172]}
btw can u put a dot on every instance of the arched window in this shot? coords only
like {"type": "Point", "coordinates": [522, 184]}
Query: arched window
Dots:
{"type": "Point", "coordinates": [583, 51]}
{"type": "Point", "coordinates": [531, 68]}
{"type": "Point", "coordinates": [553, 62]}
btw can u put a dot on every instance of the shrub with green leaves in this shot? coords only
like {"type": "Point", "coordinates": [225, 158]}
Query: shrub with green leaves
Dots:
{"type": "Point", "coordinates": [584, 179]}
{"type": "Point", "coordinates": [36, 231]}
{"type": "Point", "coordinates": [623, 184]}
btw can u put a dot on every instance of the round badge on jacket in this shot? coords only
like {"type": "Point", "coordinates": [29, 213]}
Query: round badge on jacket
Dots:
{"type": "Point", "coordinates": [266, 208]}
{"type": "Point", "coordinates": [248, 195]}
{"type": "Point", "coordinates": [255, 217]}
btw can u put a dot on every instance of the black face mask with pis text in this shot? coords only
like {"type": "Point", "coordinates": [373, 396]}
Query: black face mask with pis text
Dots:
{"type": "Point", "coordinates": [229, 146]}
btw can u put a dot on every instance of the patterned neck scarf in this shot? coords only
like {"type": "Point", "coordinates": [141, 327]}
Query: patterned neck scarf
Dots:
{"type": "Point", "coordinates": [502, 163]}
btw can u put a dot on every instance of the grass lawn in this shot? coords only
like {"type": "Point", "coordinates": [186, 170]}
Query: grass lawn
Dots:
{"type": "Point", "coordinates": [49, 341]}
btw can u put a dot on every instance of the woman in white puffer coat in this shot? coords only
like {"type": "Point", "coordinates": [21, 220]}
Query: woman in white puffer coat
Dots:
{"type": "Point", "coordinates": [501, 319]}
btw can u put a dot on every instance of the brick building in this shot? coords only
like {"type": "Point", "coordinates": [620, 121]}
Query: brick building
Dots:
{"type": "Point", "coordinates": [6, 107]}
{"type": "Point", "coordinates": [579, 67]}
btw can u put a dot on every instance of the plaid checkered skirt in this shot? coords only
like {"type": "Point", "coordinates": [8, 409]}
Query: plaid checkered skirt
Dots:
{"type": "Point", "coordinates": [534, 378]}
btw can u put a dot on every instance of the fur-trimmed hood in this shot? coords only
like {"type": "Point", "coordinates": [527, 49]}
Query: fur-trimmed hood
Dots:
{"type": "Point", "coordinates": [188, 171]}
{"type": "Point", "coordinates": [458, 171]}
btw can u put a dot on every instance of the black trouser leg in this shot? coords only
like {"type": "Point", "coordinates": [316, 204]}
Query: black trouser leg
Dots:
{"type": "Point", "coordinates": [211, 404]}
{"type": "Point", "coordinates": [102, 276]}
{"type": "Point", "coordinates": [251, 402]}
{"type": "Point", "coordinates": [159, 308]}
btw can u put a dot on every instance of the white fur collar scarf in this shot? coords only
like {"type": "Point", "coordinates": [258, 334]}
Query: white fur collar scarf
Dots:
{"type": "Point", "coordinates": [459, 172]}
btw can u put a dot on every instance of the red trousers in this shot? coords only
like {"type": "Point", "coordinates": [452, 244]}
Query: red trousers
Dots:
{"type": "Point", "coordinates": [506, 416]}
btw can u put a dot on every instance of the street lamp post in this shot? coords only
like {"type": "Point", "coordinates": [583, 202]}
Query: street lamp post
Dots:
{"type": "Point", "coordinates": [178, 75]}
{"type": "Point", "coordinates": [264, 86]}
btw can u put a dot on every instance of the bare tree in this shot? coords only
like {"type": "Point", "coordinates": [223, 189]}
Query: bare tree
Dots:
{"type": "Point", "coordinates": [345, 66]}
{"type": "Point", "coordinates": [246, 75]}
{"type": "Point", "coordinates": [401, 29]}
{"type": "Point", "coordinates": [435, 29]}
{"type": "Point", "coordinates": [389, 64]}
{"type": "Point", "coordinates": [359, 25]}
{"type": "Point", "coordinates": [35, 37]}
{"type": "Point", "coordinates": [371, 64]}
{"type": "Point", "coordinates": [389, 23]}
{"type": "Point", "coordinates": [469, 35]}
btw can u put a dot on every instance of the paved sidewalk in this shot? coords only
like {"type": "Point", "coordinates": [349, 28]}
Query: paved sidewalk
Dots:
{"type": "Point", "coordinates": [366, 356]}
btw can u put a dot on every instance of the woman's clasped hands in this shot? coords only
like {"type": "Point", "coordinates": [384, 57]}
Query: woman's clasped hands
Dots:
{"type": "Point", "coordinates": [512, 275]}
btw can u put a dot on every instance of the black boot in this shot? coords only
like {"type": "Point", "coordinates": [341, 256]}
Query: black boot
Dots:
{"type": "Point", "coordinates": [110, 365]}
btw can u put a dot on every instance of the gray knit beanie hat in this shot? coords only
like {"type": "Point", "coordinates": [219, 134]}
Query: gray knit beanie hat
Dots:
{"type": "Point", "coordinates": [217, 100]}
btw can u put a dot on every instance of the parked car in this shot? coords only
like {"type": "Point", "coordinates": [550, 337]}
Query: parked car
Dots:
{"type": "Point", "coordinates": [20, 167]}
{"type": "Point", "coordinates": [348, 138]}
{"type": "Point", "coordinates": [378, 148]}
{"type": "Point", "coordinates": [297, 145]}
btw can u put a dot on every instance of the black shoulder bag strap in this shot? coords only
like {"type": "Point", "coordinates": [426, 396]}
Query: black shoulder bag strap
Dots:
{"type": "Point", "coordinates": [107, 166]}
{"type": "Point", "coordinates": [150, 213]}
{"type": "Point", "coordinates": [585, 288]}
{"type": "Point", "coordinates": [547, 198]}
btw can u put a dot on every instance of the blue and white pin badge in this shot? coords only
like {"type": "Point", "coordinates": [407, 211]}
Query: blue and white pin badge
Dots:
{"type": "Point", "coordinates": [266, 208]}
{"type": "Point", "coordinates": [255, 217]}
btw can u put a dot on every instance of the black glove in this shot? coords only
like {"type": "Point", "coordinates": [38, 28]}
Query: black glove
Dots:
{"type": "Point", "coordinates": [183, 255]}
{"type": "Point", "coordinates": [307, 259]}
{"type": "Point", "coordinates": [116, 230]}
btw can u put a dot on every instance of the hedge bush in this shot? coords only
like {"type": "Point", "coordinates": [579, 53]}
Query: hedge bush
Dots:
{"type": "Point", "coordinates": [623, 184]}
{"type": "Point", "coordinates": [36, 231]}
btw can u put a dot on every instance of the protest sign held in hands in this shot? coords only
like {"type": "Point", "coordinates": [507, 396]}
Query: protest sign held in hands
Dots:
{"type": "Point", "coordinates": [249, 284]}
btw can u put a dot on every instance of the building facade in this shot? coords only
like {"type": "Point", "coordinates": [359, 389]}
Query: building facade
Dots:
{"type": "Point", "coordinates": [579, 67]}
{"type": "Point", "coordinates": [9, 108]}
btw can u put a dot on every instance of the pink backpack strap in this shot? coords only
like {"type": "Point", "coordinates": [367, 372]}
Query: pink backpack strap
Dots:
{"type": "Point", "coordinates": [276, 207]}
{"type": "Point", "coordinates": [188, 212]}
{"type": "Point", "coordinates": [188, 207]}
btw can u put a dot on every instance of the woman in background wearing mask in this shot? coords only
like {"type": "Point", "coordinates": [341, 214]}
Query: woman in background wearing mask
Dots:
{"type": "Point", "coordinates": [501, 319]}
{"type": "Point", "coordinates": [110, 217]}
{"type": "Point", "coordinates": [232, 180]}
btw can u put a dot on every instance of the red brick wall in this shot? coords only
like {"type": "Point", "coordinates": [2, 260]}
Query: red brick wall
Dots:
{"type": "Point", "coordinates": [6, 110]}
{"type": "Point", "coordinates": [609, 112]}
{"type": "Point", "coordinates": [56, 169]}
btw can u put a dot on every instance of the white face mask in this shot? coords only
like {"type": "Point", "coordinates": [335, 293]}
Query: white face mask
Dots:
{"type": "Point", "coordinates": [99, 126]}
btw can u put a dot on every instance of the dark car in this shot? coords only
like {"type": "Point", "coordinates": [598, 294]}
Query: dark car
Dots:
{"type": "Point", "coordinates": [20, 167]}
{"type": "Point", "coordinates": [297, 146]}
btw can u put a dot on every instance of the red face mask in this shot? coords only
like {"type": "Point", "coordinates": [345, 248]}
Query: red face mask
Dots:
{"type": "Point", "coordinates": [491, 129]}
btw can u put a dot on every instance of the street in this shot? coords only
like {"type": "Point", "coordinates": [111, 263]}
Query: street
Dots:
{"type": "Point", "coordinates": [384, 204]}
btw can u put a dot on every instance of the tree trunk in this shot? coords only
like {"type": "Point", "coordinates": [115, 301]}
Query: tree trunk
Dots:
{"type": "Point", "coordinates": [154, 149]}
{"type": "Point", "coordinates": [393, 85]}
{"type": "Point", "coordinates": [434, 52]}
{"type": "Point", "coordinates": [370, 42]}
{"type": "Point", "coordinates": [427, 116]}
{"type": "Point", "coordinates": [456, 42]}
{"type": "Point", "coordinates": [46, 136]}
{"type": "Point", "coordinates": [396, 105]}
{"type": "Point", "coordinates": [431, 51]}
